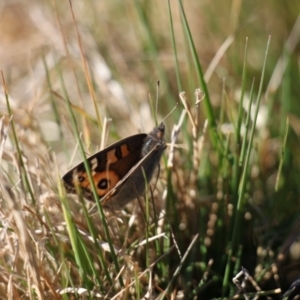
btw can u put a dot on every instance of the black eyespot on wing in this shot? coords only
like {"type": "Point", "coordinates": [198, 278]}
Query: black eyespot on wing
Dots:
{"type": "Point", "coordinates": [103, 184]}
{"type": "Point", "coordinates": [81, 178]}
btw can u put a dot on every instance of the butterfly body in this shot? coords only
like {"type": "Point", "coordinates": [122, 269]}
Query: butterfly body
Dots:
{"type": "Point", "coordinates": [119, 171]}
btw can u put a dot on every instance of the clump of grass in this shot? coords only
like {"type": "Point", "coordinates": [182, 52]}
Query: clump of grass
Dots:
{"type": "Point", "coordinates": [221, 219]}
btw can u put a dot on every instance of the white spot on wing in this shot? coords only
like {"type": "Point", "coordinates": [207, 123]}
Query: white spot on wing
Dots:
{"type": "Point", "coordinates": [94, 163]}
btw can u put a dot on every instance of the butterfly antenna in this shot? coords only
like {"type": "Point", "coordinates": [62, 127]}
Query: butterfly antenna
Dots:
{"type": "Point", "coordinates": [170, 112]}
{"type": "Point", "coordinates": [156, 103]}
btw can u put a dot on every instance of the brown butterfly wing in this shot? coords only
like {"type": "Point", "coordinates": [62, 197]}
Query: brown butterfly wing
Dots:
{"type": "Point", "coordinates": [134, 183]}
{"type": "Point", "coordinates": [108, 167]}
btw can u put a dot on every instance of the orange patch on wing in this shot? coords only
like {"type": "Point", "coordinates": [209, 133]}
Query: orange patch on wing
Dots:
{"type": "Point", "coordinates": [84, 180]}
{"type": "Point", "coordinates": [112, 179]}
{"type": "Point", "coordinates": [124, 150]}
{"type": "Point", "coordinates": [112, 157]}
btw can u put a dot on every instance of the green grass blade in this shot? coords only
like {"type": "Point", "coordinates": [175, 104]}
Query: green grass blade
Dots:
{"type": "Point", "coordinates": [24, 175]}
{"type": "Point", "coordinates": [282, 152]}
{"type": "Point", "coordinates": [177, 70]}
{"type": "Point", "coordinates": [239, 209]}
{"type": "Point", "coordinates": [207, 103]}
{"type": "Point", "coordinates": [236, 167]}
{"type": "Point", "coordinates": [100, 209]}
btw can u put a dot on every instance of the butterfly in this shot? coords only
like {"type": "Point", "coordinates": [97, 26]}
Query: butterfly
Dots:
{"type": "Point", "coordinates": [121, 171]}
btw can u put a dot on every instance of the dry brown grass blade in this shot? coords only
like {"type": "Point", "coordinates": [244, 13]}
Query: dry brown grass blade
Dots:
{"type": "Point", "coordinates": [141, 275]}
{"type": "Point", "coordinates": [25, 243]}
{"type": "Point", "coordinates": [174, 136]}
